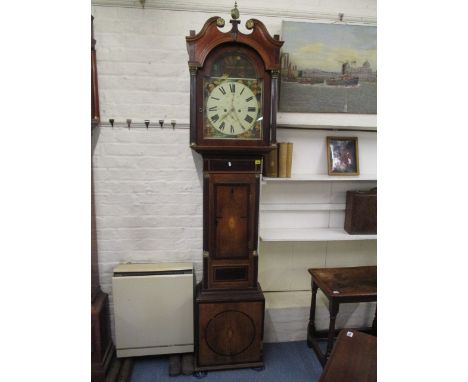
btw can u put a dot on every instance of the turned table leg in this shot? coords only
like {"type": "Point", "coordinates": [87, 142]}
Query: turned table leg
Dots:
{"type": "Point", "coordinates": [311, 326]}
{"type": "Point", "coordinates": [334, 307]}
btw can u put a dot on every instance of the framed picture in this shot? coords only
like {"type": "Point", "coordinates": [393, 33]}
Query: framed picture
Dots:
{"type": "Point", "coordinates": [342, 156]}
{"type": "Point", "coordinates": [328, 68]}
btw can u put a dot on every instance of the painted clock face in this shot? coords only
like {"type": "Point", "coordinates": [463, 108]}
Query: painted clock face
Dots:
{"type": "Point", "coordinates": [233, 109]}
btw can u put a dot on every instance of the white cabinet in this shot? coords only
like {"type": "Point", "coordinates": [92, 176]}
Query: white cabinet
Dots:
{"type": "Point", "coordinates": [153, 308]}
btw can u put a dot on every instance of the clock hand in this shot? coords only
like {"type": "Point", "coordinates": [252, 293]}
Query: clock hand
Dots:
{"type": "Point", "coordinates": [237, 117]}
{"type": "Point", "coordinates": [224, 116]}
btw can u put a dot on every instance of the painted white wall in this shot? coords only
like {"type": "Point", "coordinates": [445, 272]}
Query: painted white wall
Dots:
{"type": "Point", "coordinates": [283, 265]}
{"type": "Point", "coordinates": [148, 186]}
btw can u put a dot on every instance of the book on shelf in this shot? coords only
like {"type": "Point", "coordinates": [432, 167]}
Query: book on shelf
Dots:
{"type": "Point", "coordinates": [289, 159]}
{"type": "Point", "coordinates": [285, 159]}
{"type": "Point", "coordinates": [282, 159]}
{"type": "Point", "coordinates": [271, 164]}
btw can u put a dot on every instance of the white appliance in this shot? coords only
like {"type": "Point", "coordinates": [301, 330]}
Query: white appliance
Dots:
{"type": "Point", "coordinates": [153, 308]}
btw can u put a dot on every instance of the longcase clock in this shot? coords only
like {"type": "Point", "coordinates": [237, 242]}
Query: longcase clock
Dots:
{"type": "Point", "coordinates": [233, 98]}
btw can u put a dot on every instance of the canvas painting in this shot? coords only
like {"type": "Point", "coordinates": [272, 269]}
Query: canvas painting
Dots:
{"type": "Point", "coordinates": [328, 68]}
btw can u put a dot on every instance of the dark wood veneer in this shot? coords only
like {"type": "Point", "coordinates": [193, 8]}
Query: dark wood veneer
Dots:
{"type": "Point", "coordinates": [262, 50]}
{"type": "Point", "coordinates": [354, 358]}
{"type": "Point", "coordinates": [230, 329]}
{"type": "Point", "coordinates": [339, 285]}
{"type": "Point", "coordinates": [95, 114]}
{"type": "Point", "coordinates": [200, 45]}
{"type": "Point", "coordinates": [229, 303]}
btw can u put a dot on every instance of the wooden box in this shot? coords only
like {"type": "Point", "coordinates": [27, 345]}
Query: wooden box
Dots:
{"type": "Point", "coordinates": [361, 212]}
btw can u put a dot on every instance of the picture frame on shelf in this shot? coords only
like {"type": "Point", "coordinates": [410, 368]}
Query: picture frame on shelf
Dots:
{"type": "Point", "coordinates": [343, 156]}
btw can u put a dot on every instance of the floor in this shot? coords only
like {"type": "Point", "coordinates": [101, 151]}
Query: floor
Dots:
{"type": "Point", "coordinates": [286, 361]}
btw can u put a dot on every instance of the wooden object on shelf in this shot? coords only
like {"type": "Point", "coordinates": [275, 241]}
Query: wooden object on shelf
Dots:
{"type": "Point", "coordinates": [339, 285]}
{"type": "Point", "coordinates": [271, 163]}
{"type": "Point", "coordinates": [282, 159]}
{"type": "Point", "coordinates": [233, 102]}
{"type": "Point", "coordinates": [289, 154]}
{"type": "Point", "coordinates": [361, 212]}
{"type": "Point", "coordinates": [354, 358]}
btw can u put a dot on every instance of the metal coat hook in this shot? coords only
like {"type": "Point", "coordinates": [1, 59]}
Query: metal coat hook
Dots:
{"type": "Point", "coordinates": [131, 124]}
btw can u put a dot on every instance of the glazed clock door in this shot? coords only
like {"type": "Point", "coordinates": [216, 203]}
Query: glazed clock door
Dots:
{"type": "Point", "coordinates": [233, 110]}
{"type": "Point", "coordinates": [233, 88]}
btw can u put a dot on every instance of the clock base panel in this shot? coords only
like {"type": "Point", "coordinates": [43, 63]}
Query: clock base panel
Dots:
{"type": "Point", "coordinates": [229, 329]}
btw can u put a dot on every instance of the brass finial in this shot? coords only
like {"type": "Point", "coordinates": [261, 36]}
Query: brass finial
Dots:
{"type": "Point", "coordinates": [235, 11]}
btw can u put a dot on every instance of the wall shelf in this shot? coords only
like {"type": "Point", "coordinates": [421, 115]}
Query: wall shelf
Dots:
{"type": "Point", "coordinates": [370, 129]}
{"type": "Point", "coordinates": [303, 207]}
{"type": "Point", "coordinates": [310, 234]}
{"type": "Point", "coordinates": [322, 178]}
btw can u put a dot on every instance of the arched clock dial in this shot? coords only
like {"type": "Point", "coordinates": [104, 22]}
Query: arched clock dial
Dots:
{"type": "Point", "coordinates": [232, 108]}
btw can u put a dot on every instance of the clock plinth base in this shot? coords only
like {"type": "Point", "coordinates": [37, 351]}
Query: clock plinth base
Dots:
{"type": "Point", "coordinates": [228, 329]}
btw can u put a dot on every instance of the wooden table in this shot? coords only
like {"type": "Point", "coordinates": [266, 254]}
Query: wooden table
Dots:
{"type": "Point", "coordinates": [339, 285]}
{"type": "Point", "coordinates": [354, 358]}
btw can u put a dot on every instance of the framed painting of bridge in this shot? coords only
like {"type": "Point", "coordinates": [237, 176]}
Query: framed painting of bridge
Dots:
{"type": "Point", "coordinates": [328, 68]}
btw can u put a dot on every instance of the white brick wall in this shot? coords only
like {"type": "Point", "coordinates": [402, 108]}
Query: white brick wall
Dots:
{"type": "Point", "coordinates": [148, 185]}
{"type": "Point", "coordinates": [148, 198]}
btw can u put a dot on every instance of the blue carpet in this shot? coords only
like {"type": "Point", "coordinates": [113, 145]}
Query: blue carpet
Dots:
{"type": "Point", "coordinates": [286, 361]}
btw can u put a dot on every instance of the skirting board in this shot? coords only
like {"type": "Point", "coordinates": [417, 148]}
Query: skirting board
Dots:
{"type": "Point", "coordinates": [137, 352]}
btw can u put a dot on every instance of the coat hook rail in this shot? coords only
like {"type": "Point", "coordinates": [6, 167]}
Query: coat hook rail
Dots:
{"type": "Point", "coordinates": [147, 124]}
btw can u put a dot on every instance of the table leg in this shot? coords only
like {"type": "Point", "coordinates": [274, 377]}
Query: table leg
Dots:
{"type": "Point", "coordinates": [334, 308]}
{"type": "Point", "coordinates": [311, 326]}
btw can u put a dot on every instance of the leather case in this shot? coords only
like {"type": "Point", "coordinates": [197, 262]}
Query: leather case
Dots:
{"type": "Point", "coordinates": [361, 212]}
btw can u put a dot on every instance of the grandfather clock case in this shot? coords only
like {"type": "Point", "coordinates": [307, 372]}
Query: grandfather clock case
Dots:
{"type": "Point", "coordinates": [234, 82]}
